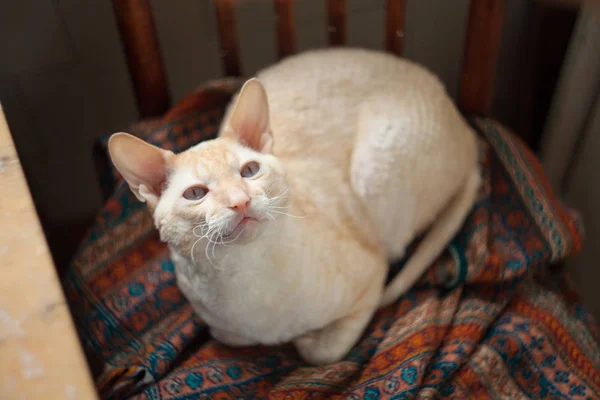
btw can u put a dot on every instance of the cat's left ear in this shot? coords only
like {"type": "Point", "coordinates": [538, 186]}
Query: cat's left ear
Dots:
{"type": "Point", "coordinates": [249, 121]}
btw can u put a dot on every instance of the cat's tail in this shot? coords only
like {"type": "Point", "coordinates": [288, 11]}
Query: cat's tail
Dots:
{"type": "Point", "coordinates": [436, 239]}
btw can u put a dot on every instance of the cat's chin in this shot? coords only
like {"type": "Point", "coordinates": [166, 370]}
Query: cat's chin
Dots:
{"type": "Point", "coordinates": [247, 230]}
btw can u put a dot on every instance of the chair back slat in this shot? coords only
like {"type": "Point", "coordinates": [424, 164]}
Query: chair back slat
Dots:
{"type": "Point", "coordinates": [336, 22]}
{"type": "Point", "coordinates": [286, 27]}
{"type": "Point", "coordinates": [140, 41]}
{"type": "Point", "coordinates": [394, 26]}
{"type": "Point", "coordinates": [142, 50]}
{"type": "Point", "coordinates": [228, 37]}
{"type": "Point", "coordinates": [482, 45]}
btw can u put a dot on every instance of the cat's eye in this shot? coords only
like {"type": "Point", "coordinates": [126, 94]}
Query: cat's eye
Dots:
{"type": "Point", "coordinates": [195, 193]}
{"type": "Point", "coordinates": [250, 169]}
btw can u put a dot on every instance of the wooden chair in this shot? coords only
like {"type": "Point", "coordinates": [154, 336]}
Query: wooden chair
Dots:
{"type": "Point", "coordinates": [142, 49]}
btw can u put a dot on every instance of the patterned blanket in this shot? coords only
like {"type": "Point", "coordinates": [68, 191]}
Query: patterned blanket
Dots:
{"type": "Point", "coordinates": [492, 318]}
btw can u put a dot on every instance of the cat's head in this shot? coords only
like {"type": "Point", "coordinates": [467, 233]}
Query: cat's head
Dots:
{"type": "Point", "coordinates": [223, 190]}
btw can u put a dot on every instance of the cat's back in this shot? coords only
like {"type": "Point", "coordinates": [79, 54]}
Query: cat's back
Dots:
{"type": "Point", "coordinates": [336, 72]}
{"type": "Point", "coordinates": [315, 97]}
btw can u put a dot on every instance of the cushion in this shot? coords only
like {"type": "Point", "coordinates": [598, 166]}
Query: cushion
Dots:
{"type": "Point", "coordinates": [493, 317]}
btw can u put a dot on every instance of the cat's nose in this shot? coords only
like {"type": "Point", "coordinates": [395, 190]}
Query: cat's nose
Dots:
{"type": "Point", "coordinates": [238, 200]}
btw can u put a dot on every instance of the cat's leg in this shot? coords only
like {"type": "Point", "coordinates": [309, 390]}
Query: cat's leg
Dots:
{"type": "Point", "coordinates": [331, 343]}
{"type": "Point", "coordinates": [381, 170]}
{"type": "Point", "coordinates": [221, 335]}
{"type": "Point", "coordinates": [231, 339]}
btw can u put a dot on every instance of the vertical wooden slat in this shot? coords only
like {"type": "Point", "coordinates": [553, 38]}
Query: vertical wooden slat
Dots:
{"type": "Point", "coordinates": [286, 27]}
{"type": "Point", "coordinates": [136, 25]}
{"type": "Point", "coordinates": [336, 20]}
{"type": "Point", "coordinates": [394, 26]}
{"type": "Point", "coordinates": [482, 46]}
{"type": "Point", "coordinates": [228, 37]}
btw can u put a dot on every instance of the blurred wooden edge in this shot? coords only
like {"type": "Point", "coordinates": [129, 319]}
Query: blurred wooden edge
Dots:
{"type": "Point", "coordinates": [40, 354]}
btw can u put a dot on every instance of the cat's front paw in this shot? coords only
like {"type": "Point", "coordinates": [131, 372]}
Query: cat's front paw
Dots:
{"type": "Point", "coordinates": [315, 348]}
{"type": "Point", "coordinates": [331, 343]}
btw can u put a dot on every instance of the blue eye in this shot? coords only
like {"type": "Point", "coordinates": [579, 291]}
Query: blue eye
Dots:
{"type": "Point", "coordinates": [250, 169]}
{"type": "Point", "coordinates": [195, 193]}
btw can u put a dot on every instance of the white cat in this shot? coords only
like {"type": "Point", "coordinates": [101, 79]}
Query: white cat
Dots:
{"type": "Point", "coordinates": [326, 167]}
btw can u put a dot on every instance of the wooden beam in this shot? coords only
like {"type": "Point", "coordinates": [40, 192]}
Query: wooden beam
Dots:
{"type": "Point", "coordinates": [286, 28]}
{"type": "Point", "coordinates": [228, 37]}
{"type": "Point", "coordinates": [484, 29]}
{"type": "Point", "coordinates": [138, 33]}
{"type": "Point", "coordinates": [395, 15]}
{"type": "Point", "coordinates": [336, 22]}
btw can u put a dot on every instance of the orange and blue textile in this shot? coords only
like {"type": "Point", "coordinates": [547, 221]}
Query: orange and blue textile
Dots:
{"type": "Point", "coordinates": [493, 317]}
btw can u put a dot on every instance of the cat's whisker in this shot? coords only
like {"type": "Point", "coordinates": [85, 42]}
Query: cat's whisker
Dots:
{"type": "Point", "coordinates": [289, 215]}
{"type": "Point", "coordinates": [223, 242]}
{"type": "Point", "coordinates": [219, 235]}
{"type": "Point", "coordinates": [206, 252]}
{"type": "Point", "coordinates": [238, 235]}
{"type": "Point", "coordinates": [272, 199]}
{"type": "Point", "coordinates": [272, 217]}
{"type": "Point", "coordinates": [274, 202]}
{"type": "Point", "coordinates": [202, 228]}
{"type": "Point", "coordinates": [280, 194]}
{"type": "Point", "coordinates": [197, 241]}
{"type": "Point", "coordinates": [270, 184]}
{"type": "Point", "coordinates": [192, 250]}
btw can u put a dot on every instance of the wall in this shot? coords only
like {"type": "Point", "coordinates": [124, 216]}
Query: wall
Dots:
{"type": "Point", "coordinates": [583, 192]}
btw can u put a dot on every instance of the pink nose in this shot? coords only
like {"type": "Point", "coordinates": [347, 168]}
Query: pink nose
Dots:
{"type": "Point", "coordinates": [239, 201]}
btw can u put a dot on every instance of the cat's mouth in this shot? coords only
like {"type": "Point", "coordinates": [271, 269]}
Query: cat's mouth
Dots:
{"type": "Point", "coordinates": [245, 222]}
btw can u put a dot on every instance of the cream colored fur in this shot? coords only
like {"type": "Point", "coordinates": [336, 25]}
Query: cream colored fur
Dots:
{"type": "Point", "coordinates": [359, 153]}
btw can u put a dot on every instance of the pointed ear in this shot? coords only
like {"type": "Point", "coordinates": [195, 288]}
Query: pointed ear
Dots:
{"type": "Point", "coordinates": [143, 166]}
{"type": "Point", "coordinates": [249, 121]}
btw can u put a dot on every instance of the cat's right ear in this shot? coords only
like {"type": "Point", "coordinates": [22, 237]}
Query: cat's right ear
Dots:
{"type": "Point", "coordinates": [143, 166]}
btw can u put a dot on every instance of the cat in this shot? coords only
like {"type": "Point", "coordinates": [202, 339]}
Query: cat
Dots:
{"type": "Point", "coordinates": [326, 166]}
